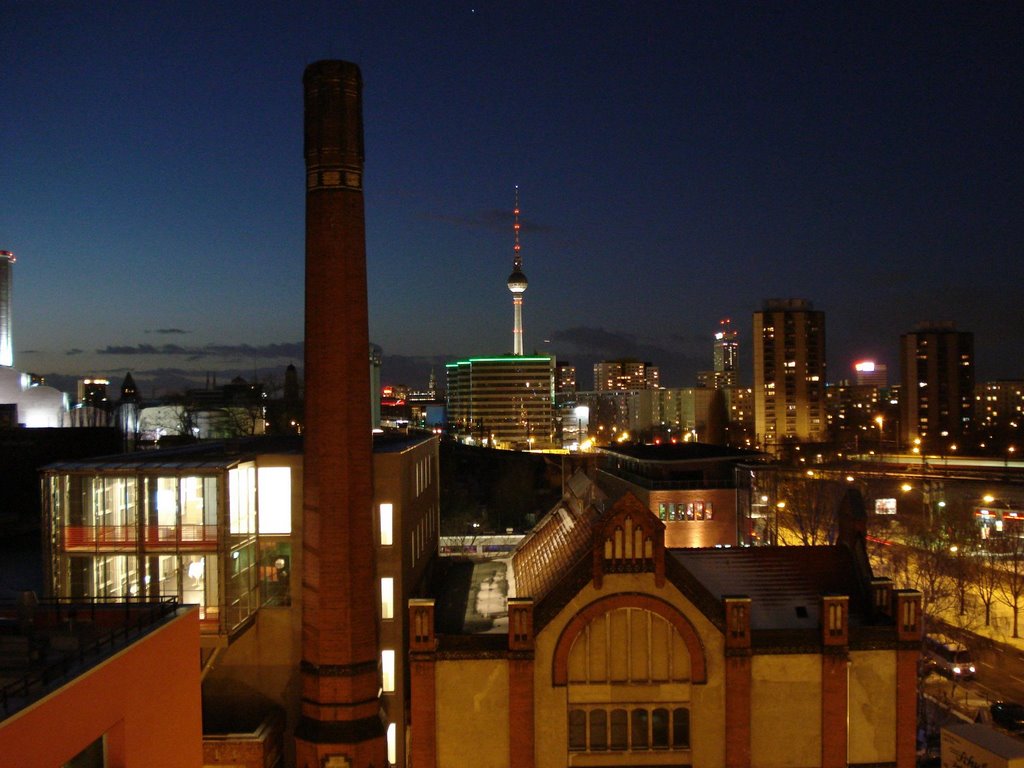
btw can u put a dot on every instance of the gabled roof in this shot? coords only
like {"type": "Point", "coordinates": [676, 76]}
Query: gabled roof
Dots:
{"type": "Point", "coordinates": [560, 539]}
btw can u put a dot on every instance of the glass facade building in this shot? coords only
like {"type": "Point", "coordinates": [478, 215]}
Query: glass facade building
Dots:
{"type": "Point", "coordinates": [216, 534]}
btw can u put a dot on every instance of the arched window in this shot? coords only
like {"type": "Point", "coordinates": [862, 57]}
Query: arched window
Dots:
{"type": "Point", "coordinates": [620, 729]}
{"type": "Point", "coordinates": [577, 730]}
{"type": "Point", "coordinates": [640, 719]}
{"type": "Point", "coordinates": [632, 654]}
{"type": "Point", "coordinates": [680, 728]}
{"type": "Point", "coordinates": [598, 730]}
{"type": "Point", "coordinates": [659, 728]}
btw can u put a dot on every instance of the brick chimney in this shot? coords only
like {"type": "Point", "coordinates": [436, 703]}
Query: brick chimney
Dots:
{"type": "Point", "coordinates": [339, 723]}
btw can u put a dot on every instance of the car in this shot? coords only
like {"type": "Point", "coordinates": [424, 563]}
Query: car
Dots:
{"type": "Point", "coordinates": [1008, 715]}
{"type": "Point", "coordinates": [949, 657]}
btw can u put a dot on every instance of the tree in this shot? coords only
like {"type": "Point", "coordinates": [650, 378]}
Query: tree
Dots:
{"type": "Point", "coordinates": [1011, 582]}
{"type": "Point", "coordinates": [807, 509]}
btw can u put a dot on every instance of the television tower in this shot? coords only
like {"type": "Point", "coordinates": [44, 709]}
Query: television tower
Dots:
{"type": "Point", "coordinates": [517, 284]}
{"type": "Point", "coordinates": [6, 343]}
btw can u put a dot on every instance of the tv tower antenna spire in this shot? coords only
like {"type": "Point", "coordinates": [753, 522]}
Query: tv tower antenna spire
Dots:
{"type": "Point", "coordinates": [517, 283]}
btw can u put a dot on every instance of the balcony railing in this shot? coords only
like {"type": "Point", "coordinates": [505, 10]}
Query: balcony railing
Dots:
{"type": "Point", "coordinates": [122, 537]}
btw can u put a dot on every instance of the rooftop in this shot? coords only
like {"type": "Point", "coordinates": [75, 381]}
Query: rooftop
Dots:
{"type": "Point", "coordinates": [785, 584]}
{"type": "Point", "coordinates": [679, 452]}
{"type": "Point", "coordinates": [221, 454]}
{"type": "Point", "coordinates": [45, 644]}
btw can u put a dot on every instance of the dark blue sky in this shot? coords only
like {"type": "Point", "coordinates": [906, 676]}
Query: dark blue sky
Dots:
{"type": "Point", "coordinates": [677, 163]}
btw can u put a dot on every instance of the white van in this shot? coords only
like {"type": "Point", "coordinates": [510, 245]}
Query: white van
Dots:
{"type": "Point", "coordinates": [949, 657]}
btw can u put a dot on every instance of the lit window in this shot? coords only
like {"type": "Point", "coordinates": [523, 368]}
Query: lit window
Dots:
{"type": "Point", "coordinates": [386, 514]}
{"type": "Point", "coordinates": [387, 598]}
{"type": "Point", "coordinates": [392, 744]}
{"type": "Point", "coordinates": [387, 663]}
{"type": "Point", "coordinates": [275, 499]}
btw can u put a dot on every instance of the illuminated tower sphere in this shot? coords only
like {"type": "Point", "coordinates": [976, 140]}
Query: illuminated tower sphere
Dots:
{"type": "Point", "coordinates": [6, 345]}
{"type": "Point", "coordinates": [517, 284]}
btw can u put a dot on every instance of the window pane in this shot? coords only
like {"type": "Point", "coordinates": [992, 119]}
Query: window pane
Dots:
{"type": "Point", "coordinates": [680, 728]}
{"type": "Point", "coordinates": [598, 729]}
{"type": "Point", "coordinates": [659, 728]}
{"type": "Point", "coordinates": [275, 498]}
{"type": "Point", "coordinates": [620, 729]}
{"type": "Point", "coordinates": [387, 598]}
{"type": "Point", "coordinates": [387, 659]}
{"type": "Point", "coordinates": [639, 729]}
{"type": "Point", "coordinates": [577, 730]}
{"type": "Point", "coordinates": [385, 525]}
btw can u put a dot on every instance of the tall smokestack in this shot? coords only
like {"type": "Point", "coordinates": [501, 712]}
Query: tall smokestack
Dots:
{"type": "Point", "coordinates": [340, 720]}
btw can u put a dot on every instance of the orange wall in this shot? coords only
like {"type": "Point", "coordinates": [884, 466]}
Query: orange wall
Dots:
{"type": "Point", "coordinates": [146, 698]}
{"type": "Point", "coordinates": [720, 529]}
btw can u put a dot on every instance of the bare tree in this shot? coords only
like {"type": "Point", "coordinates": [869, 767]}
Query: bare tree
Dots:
{"type": "Point", "coordinates": [986, 582]}
{"type": "Point", "coordinates": [1011, 583]}
{"type": "Point", "coordinates": [807, 509]}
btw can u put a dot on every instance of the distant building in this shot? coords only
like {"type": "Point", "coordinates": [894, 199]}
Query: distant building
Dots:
{"type": "Point", "coordinates": [376, 362]}
{"type": "Point", "coordinates": [92, 407]}
{"type": "Point", "coordinates": [565, 381]}
{"type": "Point", "coordinates": [32, 405]}
{"type": "Point", "coordinates": [625, 374]}
{"type": "Point", "coordinates": [691, 487]}
{"type": "Point", "coordinates": [868, 372]}
{"type": "Point", "coordinates": [505, 402]}
{"type": "Point", "coordinates": [725, 359]}
{"type": "Point", "coordinates": [789, 372]}
{"type": "Point", "coordinates": [852, 410]}
{"type": "Point", "coordinates": [24, 399]}
{"type": "Point", "coordinates": [999, 405]}
{"type": "Point", "coordinates": [6, 278]}
{"type": "Point", "coordinates": [937, 375]}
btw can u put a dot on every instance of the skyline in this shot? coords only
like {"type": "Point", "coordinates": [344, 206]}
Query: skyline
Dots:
{"type": "Point", "coordinates": [676, 165]}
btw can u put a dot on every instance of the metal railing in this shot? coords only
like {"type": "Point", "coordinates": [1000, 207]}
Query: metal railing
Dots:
{"type": "Point", "coordinates": [97, 627]}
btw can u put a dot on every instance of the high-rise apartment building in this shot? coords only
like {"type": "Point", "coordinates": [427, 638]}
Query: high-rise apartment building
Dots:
{"type": "Point", "coordinates": [726, 359]}
{"type": "Point", "coordinates": [727, 350]}
{"type": "Point", "coordinates": [937, 375]}
{"type": "Point", "coordinates": [626, 373]}
{"type": "Point", "coordinates": [871, 373]}
{"type": "Point", "coordinates": [565, 380]}
{"type": "Point", "coordinates": [999, 405]}
{"type": "Point", "coordinates": [6, 345]}
{"type": "Point", "coordinates": [505, 402]}
{"type": "Point", "coordinates": [789, 372]}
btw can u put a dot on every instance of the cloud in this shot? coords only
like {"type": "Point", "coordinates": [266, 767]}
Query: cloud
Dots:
{"type": "Point", "coordinates": [598, 341]}
{"type": "Point", "coordinates": [289, 350]}
{"type": "Point", "coordinates": [168, 330]}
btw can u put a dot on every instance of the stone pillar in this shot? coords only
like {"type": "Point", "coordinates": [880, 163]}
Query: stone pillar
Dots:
{"type": "Point", "coordinates": [737, 681]}
{"type": "Point", "coordinates": [520, 682]}
{"type": "Point", "coordinates": [423, 683]}
{"type": "Point", "coordinates": [835, 679]}
{"type": "Point", "coordinates": [339, 722]}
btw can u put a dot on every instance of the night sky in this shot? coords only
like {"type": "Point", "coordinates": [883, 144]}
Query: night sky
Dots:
{"type": "Point", "coordinates": [677, 163]}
